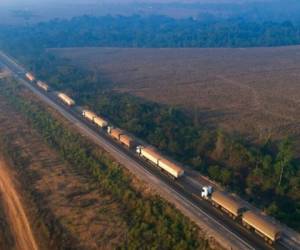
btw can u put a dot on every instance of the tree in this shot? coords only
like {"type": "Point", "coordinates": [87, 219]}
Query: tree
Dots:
{"type": "Point", "coordinates": [284, 166]}
{"type": "Point", "coordinates": [214, 172]}
{"type": "Point", "coordinates": [225, 176]}
{"type": "Point", "coordinates": [220, 146]}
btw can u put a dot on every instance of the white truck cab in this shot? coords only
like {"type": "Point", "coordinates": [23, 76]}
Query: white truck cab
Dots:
{"type": "Point", "coordinates": [206, 192]}
{"type": "Point", "coordinates": [139, 149]}
{"type": "Point", "coordinates": [109, 128]}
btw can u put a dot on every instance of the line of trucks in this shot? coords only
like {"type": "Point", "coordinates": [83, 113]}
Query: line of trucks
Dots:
{"type": "Point", "coordinates": [236, 210]}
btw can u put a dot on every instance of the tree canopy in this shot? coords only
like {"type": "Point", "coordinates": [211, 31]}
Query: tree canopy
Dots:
{"type": "Point", "coordinates": [153, 31]}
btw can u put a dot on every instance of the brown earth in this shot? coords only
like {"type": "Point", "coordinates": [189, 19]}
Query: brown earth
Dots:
{"type": "Point", "coordinates": [254, 91]}
{"type": "Point", "coordinates": [86, 217]}
{"type": "Point", "coordinates": [16, 216]}
{"type": "Point", "coordinates": [6, 237]}
{"type": "Point", "coordinates": [3, 73]}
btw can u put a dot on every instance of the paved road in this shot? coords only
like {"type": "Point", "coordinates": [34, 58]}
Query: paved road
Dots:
{"type": "Point", "coordinates": [184, 193]}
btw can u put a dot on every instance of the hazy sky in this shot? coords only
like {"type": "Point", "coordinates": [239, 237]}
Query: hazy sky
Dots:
{"type": "Point", "coordinates": [24, 2]}
{"type": "Point", "coordinates": [43, 10]}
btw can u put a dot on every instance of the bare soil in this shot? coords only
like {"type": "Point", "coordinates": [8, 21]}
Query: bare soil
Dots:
{"type": "Point", "coordinates": [7, 240]}
{"type": "Point", "coordinates": [3, 73]}
{"type": "Point", "coordinates": [253, 91]}
{"type": "Point", "coordinates": [16, 216]}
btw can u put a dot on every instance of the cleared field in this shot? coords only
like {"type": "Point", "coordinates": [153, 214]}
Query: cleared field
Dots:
{"type": "Point", "coordinates": [252, 91]}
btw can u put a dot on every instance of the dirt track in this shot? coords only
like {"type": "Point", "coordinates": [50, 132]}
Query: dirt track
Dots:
{"type": "Point", "coordinates": [16, 216]}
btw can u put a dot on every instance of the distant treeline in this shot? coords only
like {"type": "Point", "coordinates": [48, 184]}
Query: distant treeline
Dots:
{"type": "Point", "coordinates": [153, 31]}
{"type": "Point", "coordinates": [257, 10]}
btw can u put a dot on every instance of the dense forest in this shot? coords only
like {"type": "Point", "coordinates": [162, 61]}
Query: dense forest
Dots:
{"type": "Point", "coordinates": [266, 174]}
{"type": "Point", "coordinates": [256, 10]}
{"type": "Point", "coordinates": [153, 31]}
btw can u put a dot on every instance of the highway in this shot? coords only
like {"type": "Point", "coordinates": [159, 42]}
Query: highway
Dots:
{"type": "Point", "coordinates": [184, 193]}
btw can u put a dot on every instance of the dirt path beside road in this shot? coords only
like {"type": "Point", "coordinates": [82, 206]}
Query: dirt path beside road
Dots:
{"type": "Point", "coordinates": [16, 216]}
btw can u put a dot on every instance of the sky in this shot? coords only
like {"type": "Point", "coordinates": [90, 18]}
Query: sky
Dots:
{"type": "Point", "coordinates": [22, 2]}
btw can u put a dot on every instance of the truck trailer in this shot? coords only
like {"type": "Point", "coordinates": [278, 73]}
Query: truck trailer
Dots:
{"type": "Point", "coordinates": [173, 169]}
{"type": "Point", "coordinates": [30, 76]}
{"type": "Point", "coordinates": [223, 201]}
{"type": "Point", "coordinates": [93, 117]}
{"type": "Point", "coordinates": [88, 114]}
{"type": "Point", "coordinates": [122, 137]}
{"type": "Point", "coordinates": [262, 226]}
{"type": "Point", "coordinates": [100, 122]}
{"type": "Point", "coordinates": [66, 99]}
{"type": "Point", "coordinates": [43, 85]}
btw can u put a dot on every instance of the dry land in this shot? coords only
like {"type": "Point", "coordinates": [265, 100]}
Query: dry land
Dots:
{"type": "Point", "coordinates": [254, 91]}
{"type": "Point", "coordinates": [77, 212]}
{"type": "Point", "coordinates": [15, 214]}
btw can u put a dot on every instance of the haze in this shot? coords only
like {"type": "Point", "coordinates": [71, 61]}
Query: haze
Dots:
{"type": "Point", "coordinates": [21, 2]}
{"type": "Point", "coordinates": [21, 12]}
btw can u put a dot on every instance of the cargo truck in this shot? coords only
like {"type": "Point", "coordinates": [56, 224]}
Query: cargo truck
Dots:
{"type": "Point", "coordinates": [30, 76]}
{"type": "Point", "coordinates": [122, 137]}
{"type": "Point", "coordinates": [171, 168]}
{"type": "Point", "coordinates": [251, 220]}
{"type": "Point", "coordinates": [43, 85]}
{"type": "Point", "coordinates": [223, 201]}
{"type": "Point", "coordinates": [66, 99]}
{"type": "Point", "coordinates": [89, 115]}
{"type": "Point", "coordinates": [262, 226]}
{"type": "Point", "coordinates": [99, 121]}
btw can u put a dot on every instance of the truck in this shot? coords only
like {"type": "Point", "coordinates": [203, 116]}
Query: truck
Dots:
{"type": "Point", "coordinates": [30, 76]}
{"type": "Point", "coordinates": [172, 168]}
{"type": "Point", "coordinates": [224, 201]}
{"type": "Point", "coordinates": [114, 132]}
{"type": "Point", "coordinates": [93, 117]}
{"type": "Point", "coordinates": [100, 122]}
{"type": "Point", "coordinates": [66, 99]}
{"type": "Point", "coordinates": [121, 136]}
{"type": "Point", "coordinates": [253, 221]}
{"type": "Point", "coordinates": [43, 85]}
{"type": "Point", "coordinates": [261, 226]}
{"type": "Point", "coordinates": [89, 115]}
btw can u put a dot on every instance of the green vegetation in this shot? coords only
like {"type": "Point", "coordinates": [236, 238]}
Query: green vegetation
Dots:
{"type": "Point", "coordinates": [152, 222]}
{"type": "Point", "coordinates": [153, 31]}
{"type": "Point", "coordinates": [267, 174]}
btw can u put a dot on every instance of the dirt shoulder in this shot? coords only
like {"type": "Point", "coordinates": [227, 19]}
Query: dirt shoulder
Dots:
{"type": "Point", "coordinates": [15, 212]}
{"type": "Point", "coordinates": [6, 237]}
